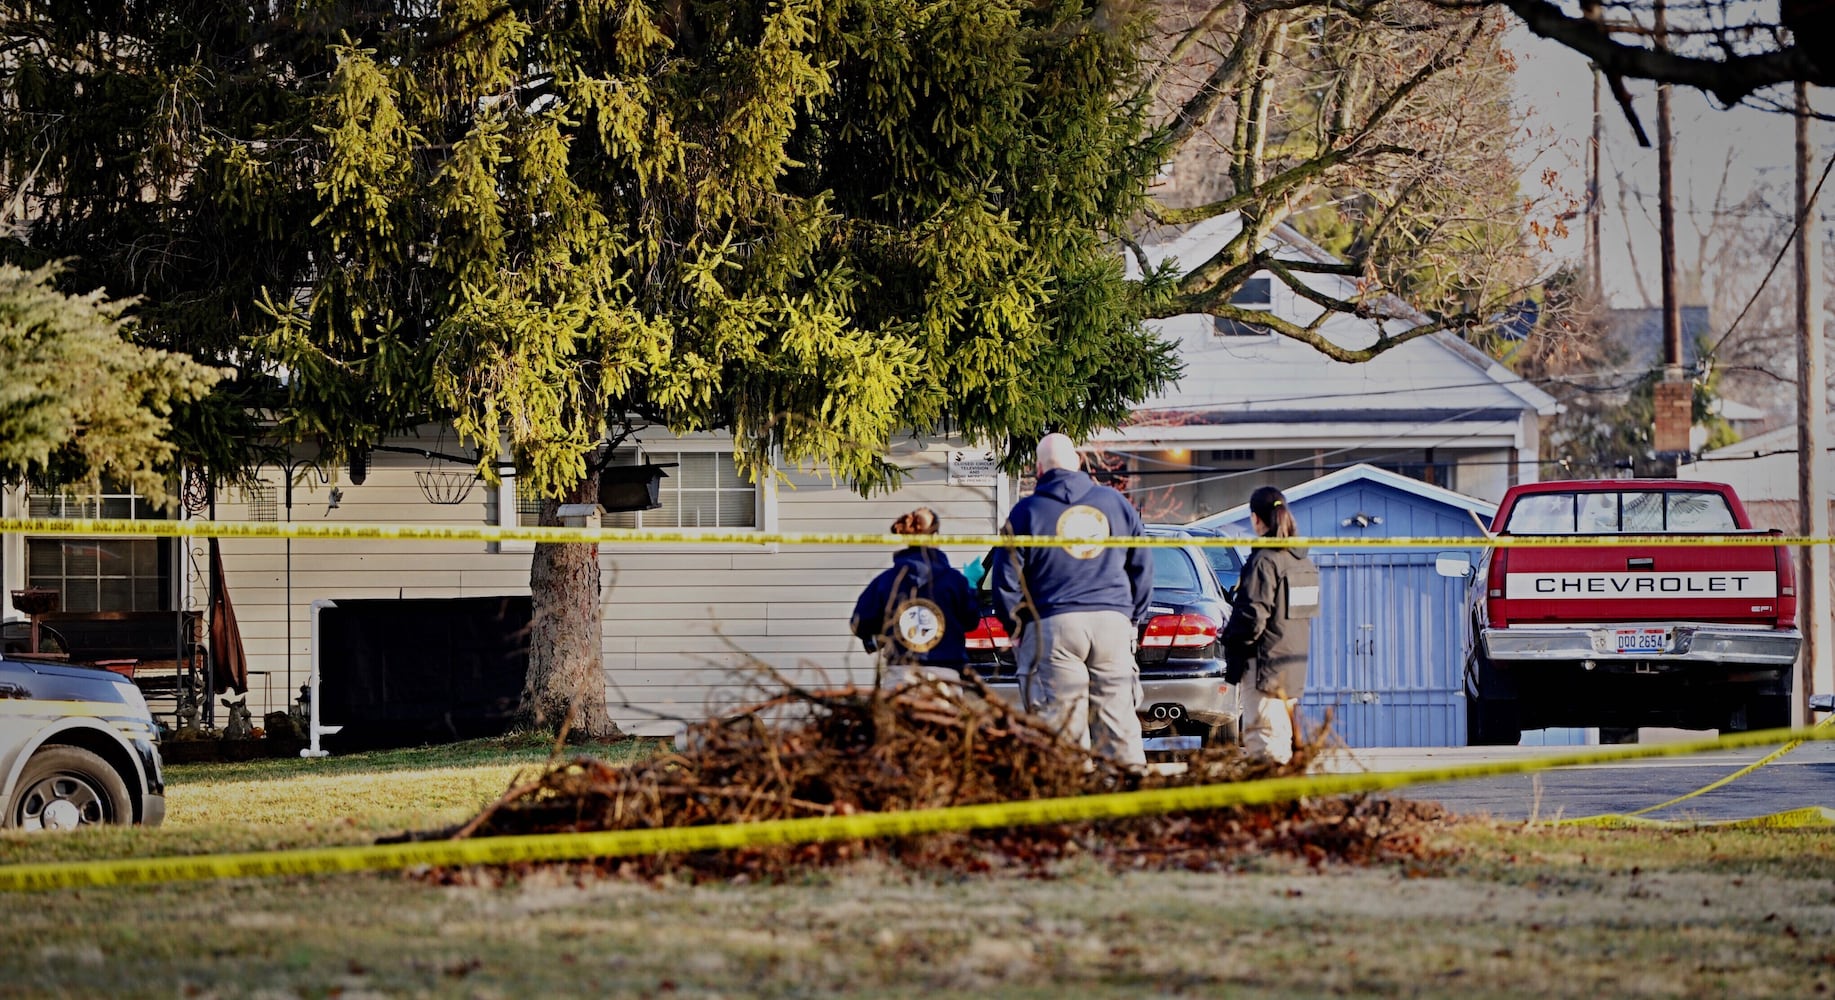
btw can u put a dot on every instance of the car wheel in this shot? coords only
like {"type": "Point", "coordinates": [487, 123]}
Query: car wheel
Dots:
{"type": "Point", "coordinates": [1491, 723]}
{"type": "Point", "coordinates": [62, 788]}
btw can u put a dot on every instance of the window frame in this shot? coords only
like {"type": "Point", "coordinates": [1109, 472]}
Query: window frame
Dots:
{"type": "Point", "coordinates": [1263, 282]}
{"type": "Point", "coordinates": [764, 492]}
{"type": "Point", "coordinates": [1579, 510]}
{"type": "Point", "coordinates": [673, 459]}
{"type": "Point", "coordinates": [167, 589]}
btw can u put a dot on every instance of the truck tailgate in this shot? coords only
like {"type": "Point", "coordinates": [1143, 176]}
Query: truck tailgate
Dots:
{"type": "Point", "coordinates": [1733, 584]}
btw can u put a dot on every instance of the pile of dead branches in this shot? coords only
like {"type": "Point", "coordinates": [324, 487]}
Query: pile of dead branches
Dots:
{"type": "Point", "coordinates": [821, 753]}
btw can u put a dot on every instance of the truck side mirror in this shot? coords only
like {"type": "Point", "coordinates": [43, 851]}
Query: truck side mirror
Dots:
{"type": "Point", "coordinates": [1452, 564]}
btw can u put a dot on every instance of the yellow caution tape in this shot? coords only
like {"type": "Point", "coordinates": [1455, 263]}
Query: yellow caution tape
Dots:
{"type": "Point", "coordinates": [1807, 818]}
{"type": "Point", "coordinates": [623, 843]}
{"type": "Point", "coordinates": [643, 536]}
{"type": "Point", "coordinates": [1710, 786]}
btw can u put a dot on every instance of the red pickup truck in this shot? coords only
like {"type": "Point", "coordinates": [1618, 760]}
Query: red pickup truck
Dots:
{"type": "Point", "coordinates": [1628, 635]}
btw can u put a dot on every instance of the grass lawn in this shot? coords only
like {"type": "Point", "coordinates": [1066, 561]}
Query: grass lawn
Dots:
{"type": "Point", "coordinates": [1513, 911]}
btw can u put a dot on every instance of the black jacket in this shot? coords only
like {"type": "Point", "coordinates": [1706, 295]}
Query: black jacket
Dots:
{"type": "Point", "coordinates": [1270, 626]}
{"type": "Point", "coordinates": [1038, 582]}
{"type": "Point", "coordinates": [918, 611]}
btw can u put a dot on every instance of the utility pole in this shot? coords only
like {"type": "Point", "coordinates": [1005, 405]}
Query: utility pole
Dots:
{"type": "Point", "coordinates": [1813, 577]}
{"type": "Point", "coordinates": [1666, 217]}
{"type": "Point", "coordinates": [1674, 397]}
{"type": "Point", "coordinates": [1595, 262]}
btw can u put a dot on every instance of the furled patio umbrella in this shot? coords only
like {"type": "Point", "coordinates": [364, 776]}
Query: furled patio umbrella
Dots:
{"type": "Point", "coordinates": [230, 669]}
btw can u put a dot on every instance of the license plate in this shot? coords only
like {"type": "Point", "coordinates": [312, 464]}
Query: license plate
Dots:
{"type": "Point", "coordinates": [1173, 742]}
{"type": "Point", "coordinates": [1641, 640]}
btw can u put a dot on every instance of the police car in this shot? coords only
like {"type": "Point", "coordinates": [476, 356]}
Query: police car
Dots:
{"type": "Point", "coordinates": [78, 747]}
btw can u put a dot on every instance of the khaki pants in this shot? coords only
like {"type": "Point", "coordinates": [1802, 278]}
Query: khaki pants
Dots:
{"type": "Point", "coordinates": [1077, 671]}
{"type": "Point", "coordinates": [1267, 727]}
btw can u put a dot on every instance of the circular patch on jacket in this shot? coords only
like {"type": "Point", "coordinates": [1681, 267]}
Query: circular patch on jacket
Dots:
{"type": "Point", "coordinates": [1083, 522]}
{"type": "Point", "coordinates": [918, 626]}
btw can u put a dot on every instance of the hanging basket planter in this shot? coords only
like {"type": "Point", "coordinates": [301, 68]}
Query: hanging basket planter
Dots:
{"type": "Point", "coordinates": [446, 486]}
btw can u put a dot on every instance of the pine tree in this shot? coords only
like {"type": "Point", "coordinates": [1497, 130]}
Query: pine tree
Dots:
{"type": "Point", "coordinates": [78, 400]}
{"type": "Point", "coordinates": [809, 222]}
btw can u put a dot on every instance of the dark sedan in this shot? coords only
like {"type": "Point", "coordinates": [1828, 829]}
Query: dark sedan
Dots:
{"type": "Point", "coordinates": [1185, 701]}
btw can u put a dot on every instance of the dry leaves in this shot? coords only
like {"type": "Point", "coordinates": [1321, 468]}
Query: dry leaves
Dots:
{"type": "Point", "coordinates": [809, 753]}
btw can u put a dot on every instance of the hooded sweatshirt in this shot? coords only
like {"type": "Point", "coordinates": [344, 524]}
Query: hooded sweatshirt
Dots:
{"type": "Point", "coordinates": [1038, 582]}
{"type": "Point", "coordinates": [918, 611]}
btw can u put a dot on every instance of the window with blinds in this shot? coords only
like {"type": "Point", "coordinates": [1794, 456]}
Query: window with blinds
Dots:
{"type": "Point", "coordinates": [702, 490]}
{"type": "Point", "coordinates": [100, 574]}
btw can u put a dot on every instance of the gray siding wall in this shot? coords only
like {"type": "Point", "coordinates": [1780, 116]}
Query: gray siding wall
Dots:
{"type": "Point", "coordinates": [688, 630]}
{"type": "Point", "coordinates": [686, 626]}
{"type": "Point", "coordinates": [277, 630]}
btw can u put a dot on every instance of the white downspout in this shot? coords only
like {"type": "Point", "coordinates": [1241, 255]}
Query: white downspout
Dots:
{"type": "Point", "coordinates": [314, 730]}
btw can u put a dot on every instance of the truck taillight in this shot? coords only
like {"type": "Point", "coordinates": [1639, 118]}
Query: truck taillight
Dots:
{"type": "Point", "coordinates": [989, 634]}
{"type": "Point", "coordinates": [1495, 615]}
{"type": "Point", "coordinates": [1180, 630]}
{"type": "Point", "coordinates": [1787, 587]}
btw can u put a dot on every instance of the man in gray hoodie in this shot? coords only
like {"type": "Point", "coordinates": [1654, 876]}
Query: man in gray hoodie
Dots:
{"type": "Point", "coordinates": [1077, 609]}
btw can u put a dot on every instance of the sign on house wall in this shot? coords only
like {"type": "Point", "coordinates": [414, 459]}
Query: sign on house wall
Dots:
{"type": "Point", "coordinates": [973, 467]}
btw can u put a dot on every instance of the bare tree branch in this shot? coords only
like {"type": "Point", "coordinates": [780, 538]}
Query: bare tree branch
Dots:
{"type": "Point", "coordinates": [1311, 337]}
{"type": "Point", "coordinates": [1202, 106]}
{"type": "Point", "coordinates": [1270, 190]}
{"type": "Point", "coordinates": [1730, 79]}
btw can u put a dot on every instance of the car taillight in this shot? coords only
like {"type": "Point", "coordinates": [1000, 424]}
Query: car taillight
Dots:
{"type": "Point", "coordinates": [990, 634]}
{"type": "Point", "coordinates": [1180, 630]}
{"type": "Point", "coordinates": [1787, 588]}
{"type": "Point", "coordinates": [1494, 590]}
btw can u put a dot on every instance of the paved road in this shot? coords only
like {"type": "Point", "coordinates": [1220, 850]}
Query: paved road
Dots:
{"type": "Point", "coordinates": [1804, 777]}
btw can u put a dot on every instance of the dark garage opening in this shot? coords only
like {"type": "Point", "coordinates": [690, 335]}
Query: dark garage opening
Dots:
{"type": "Point", "coordinates": [406, 672]}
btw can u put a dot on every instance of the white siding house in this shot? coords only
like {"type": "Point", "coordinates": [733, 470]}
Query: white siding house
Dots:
{"type": "Point", "coordinates": [682, 621]}
{"type": "Point", "coordinates": [1763, 470]}
{"type": "Point", "coordinates": [1254, 407]}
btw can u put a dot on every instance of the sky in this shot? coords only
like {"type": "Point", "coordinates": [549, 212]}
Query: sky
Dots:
{"type": "Point", "coordinates": [1554, 87]}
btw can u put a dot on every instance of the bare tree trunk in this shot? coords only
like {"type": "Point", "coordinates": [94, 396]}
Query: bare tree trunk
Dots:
{"type": "Point", "coordinates": [566, 658]}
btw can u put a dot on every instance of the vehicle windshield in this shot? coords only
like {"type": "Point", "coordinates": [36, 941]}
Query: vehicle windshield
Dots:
{"type": "Point", "coordinates": [1174, 570]}
{"type": "Point", "coordinates": [1635, 512]}
{"type": "Point", "coordinates": [1224, 561]}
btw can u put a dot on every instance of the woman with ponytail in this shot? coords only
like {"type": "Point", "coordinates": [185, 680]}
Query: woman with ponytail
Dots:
{"type": "Point", "coordinates": [916, 614]}
{"type": "Point", "coordinates": [1266, 640]}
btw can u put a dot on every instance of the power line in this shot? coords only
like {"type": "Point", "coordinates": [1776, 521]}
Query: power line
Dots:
{"type": "Point", "coordinates": [1795, 229]}
{"type": "Point", "coordinates": [1310, 459]}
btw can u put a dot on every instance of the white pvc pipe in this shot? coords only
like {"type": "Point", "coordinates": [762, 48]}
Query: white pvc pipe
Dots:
{"type": "Point", "coordinates": [314, 730]}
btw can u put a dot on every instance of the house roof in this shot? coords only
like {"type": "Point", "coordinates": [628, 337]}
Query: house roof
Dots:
{"type": "Point", "coordinates": [1733, 409]}
{"type": "Point", "coordinates": [1772, 442]}
{"type": "Point", "coordinates": [1360, 474]}
{"type": "Point", "coordinates": [1762, 467]}
{"type": "Point", "coordinates": [1267, 378]}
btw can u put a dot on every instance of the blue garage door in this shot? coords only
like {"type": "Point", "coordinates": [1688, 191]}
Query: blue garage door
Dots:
{"type": "Point", "coordinates": [1387, 650]}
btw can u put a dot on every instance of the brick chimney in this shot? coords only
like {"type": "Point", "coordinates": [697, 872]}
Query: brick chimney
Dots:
{"type": "Point", "coordinates": [1675, 399]}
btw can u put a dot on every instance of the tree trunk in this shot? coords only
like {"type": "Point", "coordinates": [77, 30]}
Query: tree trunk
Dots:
{"type": "Point", "coordinates": [566, 657]}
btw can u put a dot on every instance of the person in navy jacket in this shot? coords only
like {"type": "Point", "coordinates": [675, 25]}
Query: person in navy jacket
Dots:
{"type": "Point", "coordinates": [916, 614]}
{"type": "Point", "coordinates": [1076, 609]}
